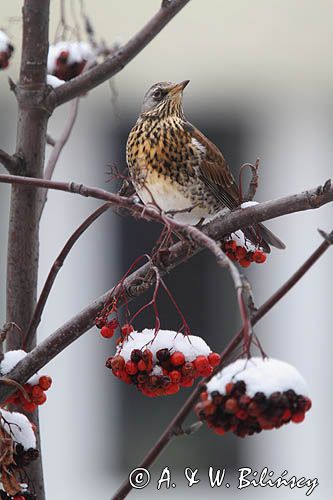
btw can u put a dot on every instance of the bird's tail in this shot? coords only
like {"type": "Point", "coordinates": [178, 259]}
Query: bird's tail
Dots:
{"type": "Point", "coordinates": [259, 234]}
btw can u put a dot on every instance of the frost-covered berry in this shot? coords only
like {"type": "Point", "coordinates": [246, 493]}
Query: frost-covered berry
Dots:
{"type": "Point", "coordinates": [252, 395]}
{"type": "Point", "coordinates": [160, 364]}
{"type": "Point", "coordinates": [67, 59]}
{"type": "Point", "coordinates": [6, 50]}
{"type": "Point", "coordinates": [33, 394]}
{"type": "Point", "coordinates": [239, 249]}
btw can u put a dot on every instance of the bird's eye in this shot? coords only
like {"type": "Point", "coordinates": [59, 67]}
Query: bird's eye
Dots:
{"type": "Point", "coordinates": [158, 94]}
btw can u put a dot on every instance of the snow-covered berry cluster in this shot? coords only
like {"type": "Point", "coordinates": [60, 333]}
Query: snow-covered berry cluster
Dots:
{"type": "Point", "coordinates": [23, 495]}
{"type": "Point", "coordinates": [160, 365]}
{"type": "Point", "coordinates": [18, 448]}
{"type": "Point", "coordinates": [249, 396]}
{"type": "Point", "coordinates": [67, 59]}
{"type": "Point", "coordinates": [240, 249]}
{"type": "Point", "coordinates": [34, 390]}
{"type": "Point", "coordinates": [6, 50]}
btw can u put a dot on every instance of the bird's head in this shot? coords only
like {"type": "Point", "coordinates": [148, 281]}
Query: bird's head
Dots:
{"type": "Point", "coordinates": [164, 99]}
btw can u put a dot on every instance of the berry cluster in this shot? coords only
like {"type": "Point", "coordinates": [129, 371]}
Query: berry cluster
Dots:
{"type": "Point", "coordinates": [34, 394]}
{"type": "Point", "coordinates": [108, 328]}
{"type": "Point", "coordinates": [24, 457]}
{"type": "Point", "coordinates": [23, 495]}
{"type": "Point", "coordinates": [66, 60]}
{"type": "Point", "coordinates": [6, 50]}
{"type": "Point", "coordinates": [235, 407]}
{"type": "Point", "coordinates": [243, 255]}
{"type": "Point", "coordinates": [173, 361]}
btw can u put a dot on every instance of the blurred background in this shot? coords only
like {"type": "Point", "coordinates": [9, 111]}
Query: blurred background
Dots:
{"type": "Point", "coordinates": [261, 86]}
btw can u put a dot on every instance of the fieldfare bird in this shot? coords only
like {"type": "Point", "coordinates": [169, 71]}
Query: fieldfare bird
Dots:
{"type": "Point", "coordinates": [173, 165]}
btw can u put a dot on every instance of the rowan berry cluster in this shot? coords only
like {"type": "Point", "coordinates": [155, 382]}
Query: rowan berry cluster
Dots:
{"type": "Point", "coordinates": [33, 393]}
{"type": "Point", "coordinates": [6, 50]}
{"type": "Point", "coordinates": [33, 396]}
{"type": "Point", "coordinates": [66, 60]}
{"type": "Point", "coordinates": [24, 495]}
{"type": "Point", "coordinates": [243, 255]}
{"type": "Point", "coordinates": [235, 407]}
{"type": "Point", "coordinates": [173, 361]}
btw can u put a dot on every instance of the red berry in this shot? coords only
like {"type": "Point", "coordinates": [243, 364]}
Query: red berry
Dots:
{"type": "Point", "coordinates": [172, 389]}
{"type": "Point", "coordinates": [187, 382]}
{"type": "Point", "coordinates": [36, 392]}
{"type": "Point", "coordinates": [117, 363]}
{"type": "Point", "coordinates": [175, 376]}
{"type": "Point", "coordinates": [177, 358]}
{"type": "Point", "coordinates": [245, 262]}
{"type": "Point", "coordinates": [253, 409]}
{"type": "Point", "coordinates": [107, 332]}
{"type": "Point", "coordinates": [241, 414]}
{"type": "Point", "coordinates": [230, 245]}
{"type": "Point", "coordinates": [308, 404]}
{"type": "Point", "coordinates": [127, 329]}
{"type": "Point", "coordinates": [231, 405]}
{"type": "Point", "coordinates": [131, 368]}
{"type": "Point", "coordinates": [29, 407]}
{"type": "Point", "coordinates": [113, 323]}
{"type": "Point", "coordinates": [142, 367]}
{"type": "Point", "coordinates": [206, 372]}
{"type": "Point", "coordinates": [188, 370]}
{"type": "Point", "coordinates": [201, 363]}
{"type": "Point", "coordinates": [219, 430]}
{"type": "Point", "coordinates": [214, 359]}
{"type": "Point", "coordinates": [286, 415]}
{"type": "Point", "coordinates": [45, 382]}
{"type": "Point", "coordinates": [231, 256]}
{"type": "Point", "coordinates": [241, 253]}
{"type": "Point", "coordinates": [229, 387]}
{"type": "Point", "coordinates": [244, 400]}
{"type": "Point", "coordinates": [259, 256]}
{"type": "Point", "coordinates": [298, 417]}
{"type": "Point", "coordinates": [204, 396]}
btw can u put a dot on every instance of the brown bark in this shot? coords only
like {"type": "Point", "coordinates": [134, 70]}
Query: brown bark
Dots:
{"type": "Point", "coordinates": [23, 240]}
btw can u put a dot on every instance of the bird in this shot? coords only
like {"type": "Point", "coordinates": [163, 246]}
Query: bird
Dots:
{"type": "Point", "coordinates": [175, 167]}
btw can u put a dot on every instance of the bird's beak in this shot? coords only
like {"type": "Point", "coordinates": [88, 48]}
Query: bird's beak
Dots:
{"type": "Point", "coordinates": [178, 88]}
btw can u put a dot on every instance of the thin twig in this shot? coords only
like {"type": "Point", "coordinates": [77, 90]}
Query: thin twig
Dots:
{"type": "Point", "coordinates": [58, 263]}
{"type": "Point", "coordinates": [115, 63]}
{"type": "Point", "coordinates": [184, 411]}
{"type": "Point", "coordinates": [60, 143]}
{"type": "Point", "coordinates": [58, 147]}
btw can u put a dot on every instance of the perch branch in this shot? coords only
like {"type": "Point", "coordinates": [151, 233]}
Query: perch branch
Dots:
{"type": "Point", "coordinates": [14, 164]}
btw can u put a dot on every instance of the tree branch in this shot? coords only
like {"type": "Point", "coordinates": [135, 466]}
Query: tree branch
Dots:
{"type": "Point", "coordinates": [237, 219]}
{"type": "Point", "coordinates": [187, 407]}
{"type": "Point", "coordinates": [58, 263]}
{"type": "Point", "coordinates": [14, 164]}
{"type": "Point", "coordinates": [58, 146]}
{"type": "Point", "coordinates": [99, 74]}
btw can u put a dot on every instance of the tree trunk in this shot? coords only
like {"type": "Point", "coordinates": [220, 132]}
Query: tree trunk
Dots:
{"type": "Point", "coordinates": [23, 237]}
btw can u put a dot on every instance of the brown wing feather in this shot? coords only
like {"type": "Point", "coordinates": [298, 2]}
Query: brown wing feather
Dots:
{"type": "Point", "coordinates": [215, 171]}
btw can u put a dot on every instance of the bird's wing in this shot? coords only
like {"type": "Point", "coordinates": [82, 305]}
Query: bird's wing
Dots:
{"type": "Point", "coordinates": [214, 169]}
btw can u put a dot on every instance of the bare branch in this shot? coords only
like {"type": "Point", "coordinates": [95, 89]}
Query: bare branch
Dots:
{"type": "Point", "coordinates": [60, 143]}
{"type": "Point", "coordinates": [112, 65]}
{"type": "Point", "coordinates": [58, 147]}
{"type": "Point", "coordinates": [14, 164]}
{"type": "Point", "coordinates": [58, 263]}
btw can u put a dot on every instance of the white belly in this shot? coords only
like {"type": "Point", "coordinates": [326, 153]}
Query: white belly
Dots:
{"type": "Point", "coordinates": [168, 198]}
